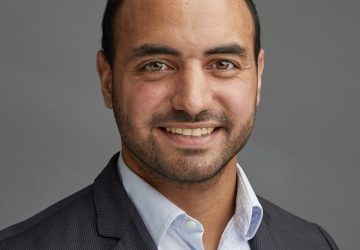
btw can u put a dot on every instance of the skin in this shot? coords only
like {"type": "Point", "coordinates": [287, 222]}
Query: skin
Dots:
{"type": "Point", "coordinates": [204, 76]}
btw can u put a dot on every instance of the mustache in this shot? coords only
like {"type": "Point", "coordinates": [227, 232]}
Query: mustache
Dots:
{"type": "Point", "coordinates": [182, 116]}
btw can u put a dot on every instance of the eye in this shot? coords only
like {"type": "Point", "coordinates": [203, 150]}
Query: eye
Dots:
{"type": "Point", "coordinates": [156, 66]}
{"type": "Point", "coordinates": [222, 65]}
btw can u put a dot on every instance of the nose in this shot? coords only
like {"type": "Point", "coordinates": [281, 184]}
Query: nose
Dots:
{"type": "Point", "coordinates": [192, 92]}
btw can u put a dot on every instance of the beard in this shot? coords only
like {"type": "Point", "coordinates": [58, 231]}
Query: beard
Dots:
{"type": "Point", "coordinates": [182, 165]}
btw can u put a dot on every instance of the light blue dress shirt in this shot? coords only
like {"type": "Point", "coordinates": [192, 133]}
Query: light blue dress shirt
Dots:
{"type": "Point", "coordinates": [171, 228]}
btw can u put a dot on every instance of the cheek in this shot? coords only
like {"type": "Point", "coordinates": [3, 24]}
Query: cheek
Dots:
{"type": "Point", "coordinates": [143, 100]}
{"type": "Point", "coordinates": [238, 98]}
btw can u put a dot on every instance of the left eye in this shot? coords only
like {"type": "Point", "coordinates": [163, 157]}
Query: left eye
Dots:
{"type": "Point", "coordinates": [156, 66]}
{"type": "Point", "coordinates": [223, 65]}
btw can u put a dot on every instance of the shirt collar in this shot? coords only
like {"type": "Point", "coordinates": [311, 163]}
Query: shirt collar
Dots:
{"type": "Point", "coordinates": [158, 212]}
{"type": "Point", "coordinates": [248, 211]}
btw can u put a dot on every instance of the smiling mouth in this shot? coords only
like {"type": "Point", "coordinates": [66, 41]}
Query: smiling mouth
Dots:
{"type": "Point", "coordinates": [186, 132]}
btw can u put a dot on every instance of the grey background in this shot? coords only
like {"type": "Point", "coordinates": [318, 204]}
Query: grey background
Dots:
{"type": "Point", "coordinates": [56, 134]}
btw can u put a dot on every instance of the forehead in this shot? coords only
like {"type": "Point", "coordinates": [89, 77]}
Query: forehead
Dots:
{"type": "Point", "coordinates": [176, 22]}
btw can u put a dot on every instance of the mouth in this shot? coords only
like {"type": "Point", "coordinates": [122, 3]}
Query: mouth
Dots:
{"type": "Point", "coordinates": [191, 133]}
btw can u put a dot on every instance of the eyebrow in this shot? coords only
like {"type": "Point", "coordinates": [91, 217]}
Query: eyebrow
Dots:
{"type": "Point", "coordinates": [152, 49]}
{"type": "Point", "coordinates": [227, 49]}
{"type": "Point", "coordinates": [155, 49]}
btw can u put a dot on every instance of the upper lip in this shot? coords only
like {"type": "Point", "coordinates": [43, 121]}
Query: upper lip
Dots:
{"type": "Point", "coordinates": [190, 125]}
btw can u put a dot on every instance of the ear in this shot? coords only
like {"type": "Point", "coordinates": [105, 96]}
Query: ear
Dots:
{"type": "Point", "coordinates": [259, 74]}
{"type": "Point", "coordinates": [105, 74]}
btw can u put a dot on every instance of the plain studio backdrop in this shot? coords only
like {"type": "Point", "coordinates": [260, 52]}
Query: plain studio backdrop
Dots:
{"type": "Point", "coordinates": [56, 134]}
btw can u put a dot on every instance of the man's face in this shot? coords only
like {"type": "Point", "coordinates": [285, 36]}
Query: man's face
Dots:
{"type": "Point", "coordinates": [184, 85]}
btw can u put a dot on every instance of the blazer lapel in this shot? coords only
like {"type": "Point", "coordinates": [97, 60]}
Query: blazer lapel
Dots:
{"type": "Point", "coordinates": [117, 216]}
{"type": "Point", "coordinates": [265, 239]}
{"type": "Point", "coordinates": [136, 237]}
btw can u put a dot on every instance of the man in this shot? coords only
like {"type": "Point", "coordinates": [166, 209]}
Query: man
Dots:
{"type": "Point", "coordinates": [184, 79]}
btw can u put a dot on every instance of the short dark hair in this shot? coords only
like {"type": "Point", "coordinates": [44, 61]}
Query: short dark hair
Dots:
{"type": "Point", "coordinates": [108, 29]}
{"type": "Point", "coordinates": [257, 28]}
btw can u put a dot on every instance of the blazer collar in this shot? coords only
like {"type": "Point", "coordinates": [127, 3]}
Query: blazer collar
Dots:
{"type": "Point", "coordinates": [265, 238]}
{"type": "Point", "coordinates": [117, 216]}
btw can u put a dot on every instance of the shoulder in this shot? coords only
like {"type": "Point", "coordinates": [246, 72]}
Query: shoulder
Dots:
{"type": "Point", "coordinates": [73, 217]}
{"type": "Point", "coordinates": [290, 229]}
{"type": "Point", "coordinates": [278, 214]}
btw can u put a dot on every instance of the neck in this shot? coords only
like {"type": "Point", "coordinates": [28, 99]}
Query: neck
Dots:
{"type": "Point", "coordinates": [211, 202]}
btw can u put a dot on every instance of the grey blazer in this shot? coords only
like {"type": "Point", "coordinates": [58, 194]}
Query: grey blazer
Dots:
{"type": "Point", "coordinates": [101, 216]}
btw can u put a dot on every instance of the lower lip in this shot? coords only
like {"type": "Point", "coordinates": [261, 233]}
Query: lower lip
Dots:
{"type": "Point", "coordinates": [192, 141]}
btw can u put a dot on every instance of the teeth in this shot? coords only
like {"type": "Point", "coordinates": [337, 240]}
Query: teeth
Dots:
{"type": "Point", "coordinates": [186, 131]}
{"type": "Point", "coordinates": [198, 132]}
{"type": "Point", "coordinates": [179, 130]}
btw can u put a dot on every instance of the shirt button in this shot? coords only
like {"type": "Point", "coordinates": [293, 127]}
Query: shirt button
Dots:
{"type": "Point", "coordinates": [191, 224]}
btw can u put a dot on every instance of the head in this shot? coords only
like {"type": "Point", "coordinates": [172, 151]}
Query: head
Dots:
{"type": "Point", "coordinates": [108, 27]}
{"type": "Point", "coordinates": [183, 78]}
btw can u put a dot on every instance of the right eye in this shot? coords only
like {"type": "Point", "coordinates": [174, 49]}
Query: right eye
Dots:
{"type": "Point", "coordinates": [156, 66]}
